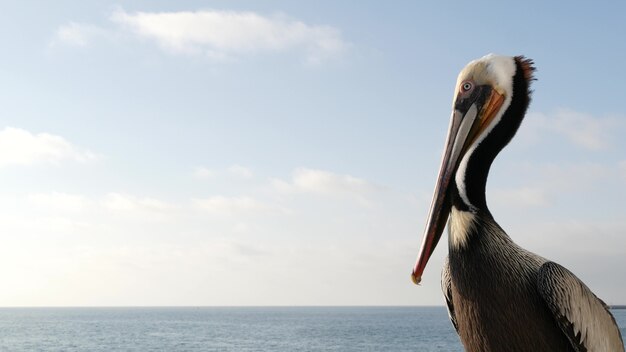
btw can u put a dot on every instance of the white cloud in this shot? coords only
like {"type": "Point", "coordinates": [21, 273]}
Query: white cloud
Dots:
{"type": "Point", "coordinates": [203, 173]}
{"type": "Point", "coordinates": [324, 182]}
{"type": "Point", "coordinates": [88, 258]}
{"type": "Point", "coordinates": [231, 33]}
{"type": "Point", "coordinates": [129, 203]}
{"type": "Point", "coordinates": [235, 205]}
{"type": "Point", "coordinates": [580, 235]}
{"type": "Point", "coordinates": [59, 201]}
{"type": "Point", "coordinates": [234, 170]}
{"type": "Point", "coordinates": [545, 184]}
{"type": "Point", "coordinates": [21, 147]}
{"type": "Point", "coordinates": [584, 130]}
{"type": "Point", "coordinates": [240, 171]}
{"type": "Point", "coordinates": [118, 202]}
{"type": "Point", "coordinates": [218, 35]}
{"type": "Point", "coordinates": [78, 34]}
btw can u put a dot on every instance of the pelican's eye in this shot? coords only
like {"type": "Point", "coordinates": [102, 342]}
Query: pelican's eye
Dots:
{"type": "Point", "coordinates": [466, 86]}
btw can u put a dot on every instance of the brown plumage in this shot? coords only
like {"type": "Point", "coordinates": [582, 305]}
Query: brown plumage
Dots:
{"type": "Point", "coordinates": [501, 297]}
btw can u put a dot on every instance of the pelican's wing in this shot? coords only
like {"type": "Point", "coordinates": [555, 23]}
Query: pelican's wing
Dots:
{"type": "Point", "coordinates": [583, 317]}
{"type": "Point", "coordinates": [446, 287]}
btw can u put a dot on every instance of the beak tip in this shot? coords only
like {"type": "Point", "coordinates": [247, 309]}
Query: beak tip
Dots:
{"type": "Point", "coordinates": [416, 279]}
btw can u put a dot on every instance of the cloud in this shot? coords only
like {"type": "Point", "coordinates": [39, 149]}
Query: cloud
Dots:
{"type": "Point", "coordinates": [117, 202]}
{"type": "Point", "coordinates": [582, 236]}
{"type": "Point", "coordinates": [546, 184]}
{"type": "Point", "coordinates": [129, 203]}
{"type": "Point", "coordinates": [218, 35]}
{"type": "Point", "coordinates": [240, 171]}
{"type": "Point", "coordinates": [327, 183]}
{"type": "Point", "coordinates": [235, 205]}
{"type": "Point", "coordinates": [235, 170]}
{"type": "Point", "coordinates": [584, 130]}
{"type": "Point", "coordinates": [229, 33]}
{"type": "Point", "coordinates": [21, 147]}
{"type": "Point", "coordinates": [59, 201]}
{"type": "Point", "coordinates": [78, 34]}
{"type": "Point", "coordinates": [203, 173]}
{"type": "Point", "coordinates": [89, 257]}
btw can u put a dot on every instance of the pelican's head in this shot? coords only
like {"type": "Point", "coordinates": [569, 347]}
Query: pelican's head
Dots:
{"type": "Point", "coordinates": [490, 98]}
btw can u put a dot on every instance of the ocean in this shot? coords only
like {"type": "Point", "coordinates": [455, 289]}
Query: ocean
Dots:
{"type": "Point", "coordinates": [248, 329]}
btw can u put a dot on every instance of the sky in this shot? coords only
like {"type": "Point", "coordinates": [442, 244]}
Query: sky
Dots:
{"type": "Point", "coordinates": [222, 153]}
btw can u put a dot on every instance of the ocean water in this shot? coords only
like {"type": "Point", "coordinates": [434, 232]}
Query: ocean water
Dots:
{"type": "Point", "coordinates": [273, 329]}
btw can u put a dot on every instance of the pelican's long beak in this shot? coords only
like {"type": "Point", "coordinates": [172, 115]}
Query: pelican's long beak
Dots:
{"type": "Point", "coordinates": [465, 126]}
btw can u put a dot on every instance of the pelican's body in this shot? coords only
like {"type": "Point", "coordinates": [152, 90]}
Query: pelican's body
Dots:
{"type": "Point", "coordinates": [500, 296]}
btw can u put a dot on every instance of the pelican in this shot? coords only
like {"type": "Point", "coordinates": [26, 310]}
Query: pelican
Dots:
{"type": "Point", "coordinates": [501, 297]}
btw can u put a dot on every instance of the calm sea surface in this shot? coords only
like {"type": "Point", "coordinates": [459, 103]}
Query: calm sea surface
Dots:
{"type": "Point", "coordinates": [231, 329]}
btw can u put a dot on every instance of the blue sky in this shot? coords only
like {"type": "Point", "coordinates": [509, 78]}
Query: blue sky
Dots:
{"type": "Point", "coordinates": [284, 153]}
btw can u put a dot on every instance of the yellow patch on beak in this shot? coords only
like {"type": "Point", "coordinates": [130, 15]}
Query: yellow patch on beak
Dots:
{"type": "Point", "coordinates": [490, 110]}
